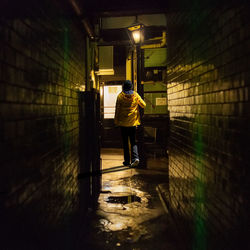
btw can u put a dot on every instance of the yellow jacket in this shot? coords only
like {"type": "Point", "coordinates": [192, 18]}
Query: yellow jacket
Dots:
{"type": "Point", "coordinates": [127, 110]}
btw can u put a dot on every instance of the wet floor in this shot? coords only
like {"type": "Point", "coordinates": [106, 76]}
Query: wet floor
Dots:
{"type": "Point", "coordinates": [130, 214]}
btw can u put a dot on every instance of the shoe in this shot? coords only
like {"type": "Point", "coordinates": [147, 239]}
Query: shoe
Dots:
{"type": "Point", "coordinates": [126, 164]}
{"type": "Point", "coordinates": [135, 163]}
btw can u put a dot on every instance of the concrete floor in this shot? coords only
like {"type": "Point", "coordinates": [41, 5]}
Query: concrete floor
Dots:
{"type": "Point", "coordinates": [130, 214]}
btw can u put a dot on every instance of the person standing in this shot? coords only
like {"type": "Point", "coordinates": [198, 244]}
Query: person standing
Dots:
{"type": "Point", "coordinates": [127, 117]}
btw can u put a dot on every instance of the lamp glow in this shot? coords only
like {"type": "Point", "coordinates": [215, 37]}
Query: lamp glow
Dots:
{"type": "Point", "coordinates": [137, 36]}
{"type": "Point", "coordinates": [136, 33]}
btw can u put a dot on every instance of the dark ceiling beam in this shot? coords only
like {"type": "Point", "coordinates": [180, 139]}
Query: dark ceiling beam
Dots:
{"type": "Point", "coordinates": [133, 12]}
{"type": "Point", "coordinates": [119, 37]}
{"type": "Point", "coordinates": [114, 43]}
{"type": "Point", "coordinates": [124, 42]}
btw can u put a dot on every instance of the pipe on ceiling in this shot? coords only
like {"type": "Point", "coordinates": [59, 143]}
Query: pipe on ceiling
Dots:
{"type": "Point", "coordinates": [157, 45]}
{"type": "Point", "coordinates": [84, 21]}
{"type": "Point", "coordinates": [88, 28]}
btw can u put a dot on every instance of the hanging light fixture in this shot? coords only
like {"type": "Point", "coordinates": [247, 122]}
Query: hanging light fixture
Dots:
{"type": "Point", "coordinates": [136, 33]}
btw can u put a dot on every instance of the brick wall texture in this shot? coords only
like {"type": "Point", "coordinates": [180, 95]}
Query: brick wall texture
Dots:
{"type": "Point", "coordinates": [41, 70]}
{"type": "Point", "coordinates": [209, 102]}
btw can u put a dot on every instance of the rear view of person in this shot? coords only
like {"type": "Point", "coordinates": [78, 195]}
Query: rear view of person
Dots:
{"type": "Point", "coordinates": [127, 117]}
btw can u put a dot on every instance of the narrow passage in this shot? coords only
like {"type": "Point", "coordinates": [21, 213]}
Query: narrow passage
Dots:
{"type": "Point", "coordinates": [130, 214]}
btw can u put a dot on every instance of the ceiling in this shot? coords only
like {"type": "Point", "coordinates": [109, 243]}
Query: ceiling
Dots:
{"type": "Point", "coordinates": [122, 7]}
{"type": "Point", "coordinates": [97, 8]}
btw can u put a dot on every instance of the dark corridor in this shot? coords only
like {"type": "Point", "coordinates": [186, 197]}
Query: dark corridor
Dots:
{"type": "Point", "coordinates": [62, 182]}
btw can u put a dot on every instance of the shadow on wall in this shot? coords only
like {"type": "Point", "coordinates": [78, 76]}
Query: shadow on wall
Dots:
{"type": "Point", "coordinates": [213, 209]}
{"type": "Point", "coordinates": [37, 205]}
{"type": "Point", "coordinates": [39, 125]}
{"type": "Point", "coordinates": [195, 222]}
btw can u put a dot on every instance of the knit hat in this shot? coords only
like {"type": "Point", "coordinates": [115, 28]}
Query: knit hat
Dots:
{"type": "Point", "coordinates": [127, 87]}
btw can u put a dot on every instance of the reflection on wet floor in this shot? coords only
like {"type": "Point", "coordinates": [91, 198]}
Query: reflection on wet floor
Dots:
{"type": "Point", "coordinates": [130, 214]}
{"type": "Point", "coordinates": [123, 198]}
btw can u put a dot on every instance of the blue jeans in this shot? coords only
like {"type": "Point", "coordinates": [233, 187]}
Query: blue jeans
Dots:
{"type": "Point", "coordinates": [128, 134]}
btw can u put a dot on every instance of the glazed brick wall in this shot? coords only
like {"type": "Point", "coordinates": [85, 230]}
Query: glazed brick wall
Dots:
{"type": "Point", "coordinates": [41, 70]}
{"type": "Point", "coordinates": [208, 98]}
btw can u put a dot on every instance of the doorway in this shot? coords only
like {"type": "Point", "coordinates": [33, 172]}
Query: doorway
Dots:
{"type": "Point", "coordinates": [110, 133]}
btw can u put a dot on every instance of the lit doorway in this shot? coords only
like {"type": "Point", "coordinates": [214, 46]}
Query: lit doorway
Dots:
{"type": "Point", "coordinates": [110, 134]}
{"type": "Point", "coordinates": [110, 94]}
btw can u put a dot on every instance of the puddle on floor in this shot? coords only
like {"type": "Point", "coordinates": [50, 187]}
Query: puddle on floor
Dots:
{"type": "Point", "coordinates": [123, 198]}
{"type": "Point", "coordinates": [126, 210]}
